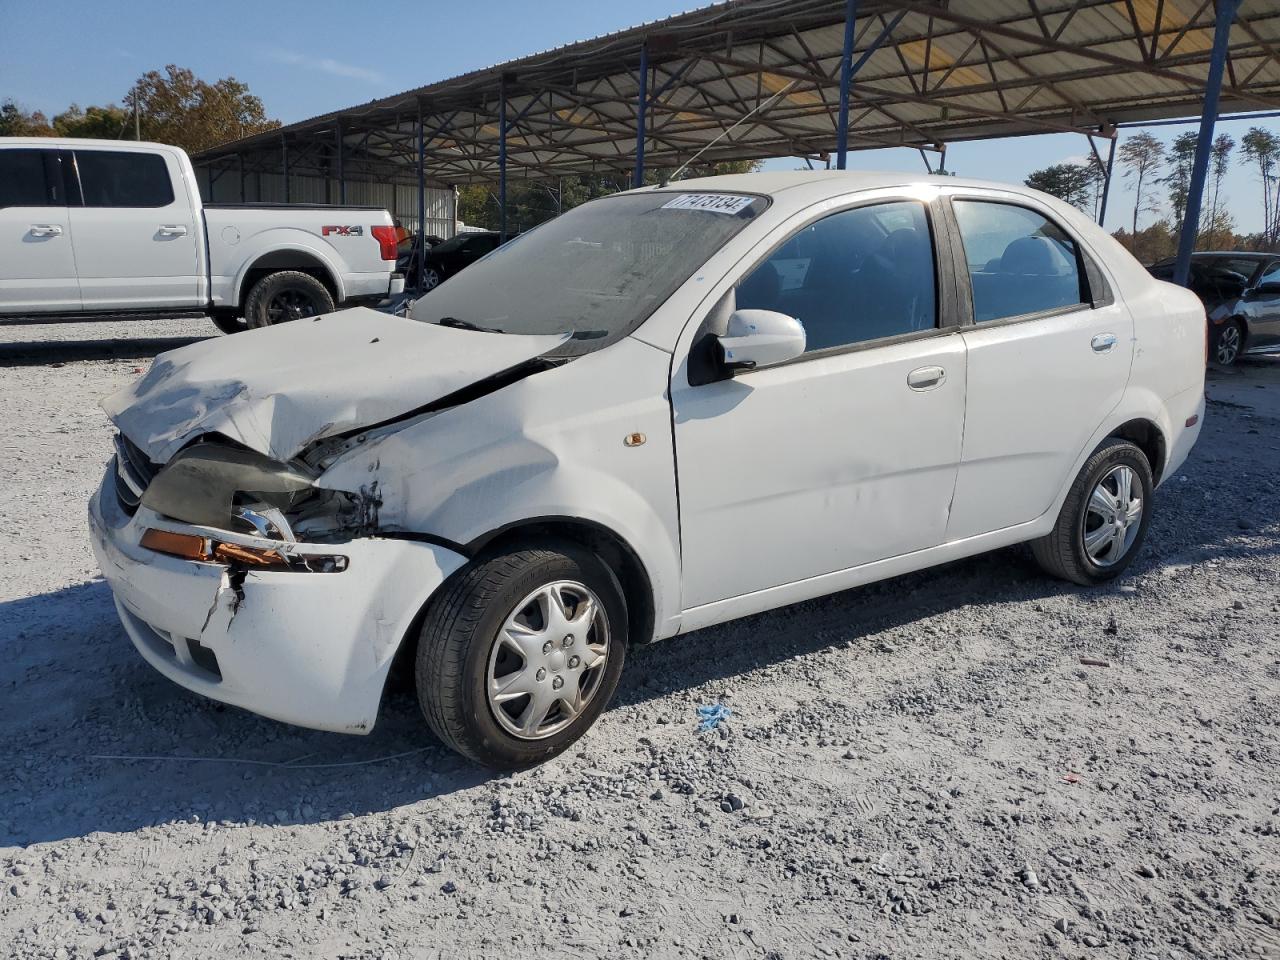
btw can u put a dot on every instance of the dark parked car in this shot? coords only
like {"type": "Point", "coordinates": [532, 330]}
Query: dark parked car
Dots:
{"type": "Point", "coordinates": [1241, 295]}
{"type": "Point", "coordinates": [448, 257]}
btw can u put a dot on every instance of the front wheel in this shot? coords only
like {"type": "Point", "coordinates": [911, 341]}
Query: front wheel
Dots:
{"type": "Point", "coordinates": [1104, 518]}
{"type": "Point", "coordinates": [430, 279]}
{"type": "Point", "coordinates": [285, 296]}
{"type": "Point", "coordinates": [520, 654]}
{"type": "Point", "coordinates": [1228, 341]}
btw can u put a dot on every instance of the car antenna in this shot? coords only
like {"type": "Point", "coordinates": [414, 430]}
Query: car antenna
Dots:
{"type": "Point", "coordinates": [684, 166]}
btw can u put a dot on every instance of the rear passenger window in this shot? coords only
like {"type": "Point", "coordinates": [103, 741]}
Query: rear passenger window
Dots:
{"type": "Point", "coordinates": [22, 180]}
{"type": "Point", "coordinates": [122, 178]}
{"type": "Point", "coordinates": [1019, 261]}
{"type": "Point", "coordinates": [858, 275]}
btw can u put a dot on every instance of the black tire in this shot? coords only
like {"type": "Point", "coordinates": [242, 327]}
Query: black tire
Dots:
{"type": "Point", "coordinates": [1228, 343]}
{"type": "Point", "coordinates": [228, 322]}
{"type": "Point", "coordinates": [432, 277]}
{"type": "Point", "coordinates": [1062, 552]}
{"type": "Point", "coordinates": [460, 632]}
{"type": "Point", "coordinates": [286, 295]}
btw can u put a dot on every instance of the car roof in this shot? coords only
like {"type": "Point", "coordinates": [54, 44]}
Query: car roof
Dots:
{"type": "Point", "coordinates": [70, 143]}
{"type": "Point", "coordinates": [773, 182]}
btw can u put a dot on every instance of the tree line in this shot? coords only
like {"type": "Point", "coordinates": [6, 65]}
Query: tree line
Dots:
{"type": "Point", "coordinates": [174, 106]}
{"type": "Point", "coordinates": [1161, 175]}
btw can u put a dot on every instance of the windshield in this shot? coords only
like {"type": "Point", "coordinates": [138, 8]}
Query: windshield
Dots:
{"type": "Point", "coordinates": [597, 272]}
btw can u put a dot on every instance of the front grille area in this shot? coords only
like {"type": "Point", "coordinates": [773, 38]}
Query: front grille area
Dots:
{"type": "Point", "coordinates": [134, 473]}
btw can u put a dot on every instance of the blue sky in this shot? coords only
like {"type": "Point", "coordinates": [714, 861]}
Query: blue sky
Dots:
{"type": "Point", "coordinates": [309, 58]}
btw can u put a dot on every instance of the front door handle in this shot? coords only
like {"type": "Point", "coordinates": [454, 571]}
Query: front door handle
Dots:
{"type": "Point", "coordinates": [46, 230]}
{"type": "Point", "coordinates": [926, 378]}
{"type": "Point", "coordinates": [173, 230]}
{"type": "Point", "coordinates": [1103, 342]}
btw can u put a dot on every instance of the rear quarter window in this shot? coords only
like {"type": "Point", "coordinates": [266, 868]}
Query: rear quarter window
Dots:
{"type": "Point", "coordinates": [124, 178]}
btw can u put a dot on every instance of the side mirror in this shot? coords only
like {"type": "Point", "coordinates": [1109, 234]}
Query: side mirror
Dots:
{"type": "Point", "coordinates": [760, 338]}
{"type": "Point", "coordinates": [1266, 291]}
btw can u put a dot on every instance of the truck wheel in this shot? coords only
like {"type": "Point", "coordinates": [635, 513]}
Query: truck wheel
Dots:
{"type": "Point", "coordinates": [1104, 518]}
{"type": "Point", "coordinates": [227, 321]}
{"type": "Point", "coordinates": [284, 296]}
{"type": "Point", "coordinates": [520, 654]}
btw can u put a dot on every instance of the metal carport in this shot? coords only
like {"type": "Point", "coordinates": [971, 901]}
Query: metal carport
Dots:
{"type": "Point", "coordinates": [752, 79]}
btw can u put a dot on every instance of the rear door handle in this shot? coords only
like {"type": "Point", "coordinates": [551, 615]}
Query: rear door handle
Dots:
{"type": "Point", "coordinates": [926, 378]}
{"type": "Point", "coordinates": [1103, 342]}
{"type": "Point", "coordinates": [173, 230]}
{"type": "Point", "coordinates": [46, 230]}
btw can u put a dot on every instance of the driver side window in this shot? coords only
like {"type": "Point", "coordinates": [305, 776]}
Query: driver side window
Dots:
{"type": "Point", "coordinates": [857, 275]}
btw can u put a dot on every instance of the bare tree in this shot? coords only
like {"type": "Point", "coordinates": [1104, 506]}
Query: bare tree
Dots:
{"type": "Point", "coordinates": [1262, 148]}
{"type": "Point", "coordinates": [1219, 157]}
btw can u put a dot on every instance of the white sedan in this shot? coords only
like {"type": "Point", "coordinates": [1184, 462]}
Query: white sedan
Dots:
{"type": "Point", "coordinates": [665, 409]}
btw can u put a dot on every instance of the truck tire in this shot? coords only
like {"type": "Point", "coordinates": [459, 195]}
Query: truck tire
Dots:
{"type": "Point", "coordinates": [227, 321]}
{"type": "Point", "coordinates": [1104, 518]}
{"type": "Point", "coordinates": [521, 652]}
{"type": "Point", "coordinates": [284, 296]}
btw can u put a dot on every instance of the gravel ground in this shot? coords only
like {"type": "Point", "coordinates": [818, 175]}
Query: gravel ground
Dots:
{"type": "Point", "coordinates": [923, 768]}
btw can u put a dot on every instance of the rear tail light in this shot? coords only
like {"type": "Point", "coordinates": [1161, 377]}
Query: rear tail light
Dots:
{"type": "Point", "coordinates": [386, 237]}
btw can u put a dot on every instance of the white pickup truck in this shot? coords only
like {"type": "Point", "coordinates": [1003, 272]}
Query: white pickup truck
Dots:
{"type": "Point", "coordinates": [101, 227]}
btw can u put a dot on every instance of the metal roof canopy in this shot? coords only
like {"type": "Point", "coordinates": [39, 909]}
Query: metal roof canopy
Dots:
{"type": "Point", "coordinates": [922, 75]}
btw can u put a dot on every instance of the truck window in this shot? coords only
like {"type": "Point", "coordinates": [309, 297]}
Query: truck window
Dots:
{"type": "Point", "coordinates": [22, 179]}
{"type": "Point", "coordinates": [123, 178]}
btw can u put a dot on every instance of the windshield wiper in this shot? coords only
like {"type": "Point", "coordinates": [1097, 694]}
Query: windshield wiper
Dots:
{"type": "Point", "coordinates": [465, 325]}
{"type": "Point", "coordinates": [588, 334]}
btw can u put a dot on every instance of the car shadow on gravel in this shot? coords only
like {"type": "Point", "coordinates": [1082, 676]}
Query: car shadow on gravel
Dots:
{"type": "Point", "coordinates": [39, 353]}
{"type": "Point", "coordinates": [82, 708]}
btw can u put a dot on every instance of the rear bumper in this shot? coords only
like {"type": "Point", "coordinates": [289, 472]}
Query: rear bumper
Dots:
{"type": "Point", "coordinates": [373, 287]}
{"type": "Point", "coordinates": [1182, 408]}
{"type": "Point", "coordinates": [311, 649]}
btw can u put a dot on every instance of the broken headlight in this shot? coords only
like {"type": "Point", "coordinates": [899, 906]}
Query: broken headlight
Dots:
{"type": "Point", "coordinates": [230, 488]}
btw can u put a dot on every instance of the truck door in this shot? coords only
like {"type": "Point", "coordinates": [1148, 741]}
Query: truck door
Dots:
{"type": "Point", "coordinates": [136, 233]}
{"type": "Point", "coordinates": [37, 262]}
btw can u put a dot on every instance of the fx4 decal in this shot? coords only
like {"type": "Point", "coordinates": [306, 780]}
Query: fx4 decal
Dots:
{"type": "Point", "coordinates": [342, 231]}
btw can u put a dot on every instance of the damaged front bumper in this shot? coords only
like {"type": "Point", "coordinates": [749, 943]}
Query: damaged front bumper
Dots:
{"type": "Point", "coordinates": [303, 647]}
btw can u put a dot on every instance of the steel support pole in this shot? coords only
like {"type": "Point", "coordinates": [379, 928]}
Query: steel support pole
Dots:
{"type": "Point", "coordinates": [846, 79]}
{"type": "Point", "coordinates": [422, 199]}
{"type": "Point", "coordinates": [502, 159]}
{"type": "Point", "coordinates": [284, 157]}
{"type": "Point", "coordinates": [342, 175]}
{"type": "Point", "coordinates": [642, 113]}
{"type": "Point", "coordinates": [1226, 13]}
{"type": "Point", "coordinates": [240, 158]}
{"type": "Point", "coordinates": [1106, 180]}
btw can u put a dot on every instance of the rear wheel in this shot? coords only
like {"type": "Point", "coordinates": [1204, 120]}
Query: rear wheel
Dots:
{"type": "Point", "coordinates": [285, 296]}
{"type": "Point", "coordinates": [430, 279]}
{"type": "Point", "coordinates": [1104, 518]}
{"type": "Point", "coordinates": [521, 653]}
{"type": "Point", "coordinates": [1228, 342]}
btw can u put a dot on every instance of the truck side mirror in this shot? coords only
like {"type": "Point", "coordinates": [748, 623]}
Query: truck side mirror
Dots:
{"type": "Point", "coordinates": [760, 338]}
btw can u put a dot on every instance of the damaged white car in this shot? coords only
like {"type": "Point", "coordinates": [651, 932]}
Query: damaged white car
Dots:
{"type": "Point", "coordinates": [662, 410]}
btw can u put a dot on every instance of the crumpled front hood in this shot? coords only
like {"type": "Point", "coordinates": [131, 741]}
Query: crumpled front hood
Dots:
{"type": "Point", "coordinates": [280, 389]}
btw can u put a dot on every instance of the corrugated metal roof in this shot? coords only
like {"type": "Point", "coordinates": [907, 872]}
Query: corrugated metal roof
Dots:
{"type": "Point", "coordinates": [928, 74]}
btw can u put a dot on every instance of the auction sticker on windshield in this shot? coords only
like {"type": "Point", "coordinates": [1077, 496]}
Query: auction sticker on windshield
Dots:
{"type": "Point", "coordinates": [711, 202]}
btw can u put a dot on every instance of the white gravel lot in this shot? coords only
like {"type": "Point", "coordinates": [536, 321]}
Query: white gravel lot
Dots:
{"type": "Point", "coordinates": [922, 768]}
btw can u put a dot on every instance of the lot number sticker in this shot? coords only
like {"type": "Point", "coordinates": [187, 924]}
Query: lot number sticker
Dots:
{"type": "Point", "coordinates": [711, 202]}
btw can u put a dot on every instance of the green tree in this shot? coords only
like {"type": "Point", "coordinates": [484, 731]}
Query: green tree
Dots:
{"type": "Point", "coordinates": [17, 122]}
{"type": "Point", "coordinates": [103, 123]}
{"type": "Point", "coordinates": [1066, 181]}
{"type": "Point", "coordinates": [1220, 221]}
{"type": "Point", "coordinates": [1182, 155]}
{"type": "Point", "coordinates": [1142, 157]}
{"type": "Point", "coordinates": [1262, 148]}
{"type": "Point", "coordinates": [179, 108]}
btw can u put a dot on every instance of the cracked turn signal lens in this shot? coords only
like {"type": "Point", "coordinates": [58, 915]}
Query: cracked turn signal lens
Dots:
{"type": "Point", "coordinates": [189, 546]}
{"type": "Point", "coordinates": [185, 545]}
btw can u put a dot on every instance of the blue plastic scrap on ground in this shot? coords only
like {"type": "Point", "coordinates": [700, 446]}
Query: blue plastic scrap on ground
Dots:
{"type": "Point", "coordinates": [709, 717]}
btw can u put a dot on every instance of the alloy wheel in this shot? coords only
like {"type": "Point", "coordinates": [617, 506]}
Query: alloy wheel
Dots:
{"type": "Point", "coordinates": [1228, 345]}
{"type": "Point", "coordinates": [290, 305]}
{"type": "Point", "coordinates": [430, 279]}
{"type": "Point", "coordinates": [1113, 516]}
{"type": "Point", "coordinates": [547, 660]}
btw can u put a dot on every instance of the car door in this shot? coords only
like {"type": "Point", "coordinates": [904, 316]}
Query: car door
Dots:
{"type": "Point", "coordinates": [1263, 306]}
{"type": "Point", "coordinates": [135, 232]}
{"type": "Point", "coordinates": [37, 261]}
{"type": "Point", "coordinates": [847, 454]}
{"type": "Point", "coordinates": [1049, 352]}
